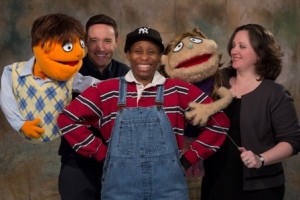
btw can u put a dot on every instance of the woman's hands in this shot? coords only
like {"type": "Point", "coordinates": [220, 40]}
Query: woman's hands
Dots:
{"type": "Point", "coordinates": [250, 159]}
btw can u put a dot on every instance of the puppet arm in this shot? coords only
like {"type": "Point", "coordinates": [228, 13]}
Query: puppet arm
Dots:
{"type": "Point", "coordinates": [10, 108]}
{"type": "Point", "coordinates": [199, 113]}
{"type": "Point", "coordinates": [83, 82]}
{"type": "Point", "coordinates": [32, 129]}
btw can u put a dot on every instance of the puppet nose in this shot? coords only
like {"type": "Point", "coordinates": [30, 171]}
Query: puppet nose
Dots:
{"type": "Point", "coordinates": [190, 46]}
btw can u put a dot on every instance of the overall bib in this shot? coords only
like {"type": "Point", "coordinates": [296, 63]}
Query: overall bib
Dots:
{"type": "Point", "coordinates": [142, 161]}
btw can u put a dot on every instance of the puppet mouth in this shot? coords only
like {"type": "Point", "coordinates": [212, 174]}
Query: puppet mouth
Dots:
{"type": "Point", "coordinates": [71, 63]}
{"type": "Point", "coordinates": [194, 61]}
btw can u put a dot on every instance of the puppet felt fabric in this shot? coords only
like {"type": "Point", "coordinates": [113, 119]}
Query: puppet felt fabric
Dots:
{"type": "Point", "coordinates": [194, 58]}
{"type": "Point", "coordinates": [34, 92]}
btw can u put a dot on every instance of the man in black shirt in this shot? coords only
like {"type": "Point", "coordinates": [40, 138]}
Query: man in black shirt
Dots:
{"type": "Point", "coordinates": [80, 177]}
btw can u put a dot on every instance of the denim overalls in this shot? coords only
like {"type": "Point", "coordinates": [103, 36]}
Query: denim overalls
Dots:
{"type": "Point", "coordinates": [142, 161]}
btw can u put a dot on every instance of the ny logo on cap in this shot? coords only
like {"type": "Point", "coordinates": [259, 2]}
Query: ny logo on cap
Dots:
{"type": "Point", "coordinates": [143, 30]}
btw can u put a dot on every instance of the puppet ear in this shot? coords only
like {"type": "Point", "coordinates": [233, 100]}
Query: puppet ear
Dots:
{"type": "Point", "coordinates": [199, 32]}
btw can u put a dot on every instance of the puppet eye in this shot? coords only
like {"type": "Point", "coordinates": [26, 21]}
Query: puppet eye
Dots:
{"type": "Point", "coordinates": [68, 47]}
{"type": "Point", "coordinates": [196, 40]}
{"type": "Point", "coordinates": [178, 47]}
{"type": "Point", "coordinates": [82, 43]}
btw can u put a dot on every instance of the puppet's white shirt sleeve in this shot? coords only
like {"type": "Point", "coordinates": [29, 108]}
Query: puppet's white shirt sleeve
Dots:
{"type": "Point", "coordinates": [83, 82]}
{"type": "Point", "coordinates": [8, 102]}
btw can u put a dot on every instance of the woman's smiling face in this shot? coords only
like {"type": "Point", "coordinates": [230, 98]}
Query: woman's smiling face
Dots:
{"type": "Point", "coordinates": [243, 56]}
{"type": "Point", "coordinates": [144, 57]}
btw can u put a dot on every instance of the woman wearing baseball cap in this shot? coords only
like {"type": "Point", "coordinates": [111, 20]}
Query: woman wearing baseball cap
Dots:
{"type": "Point", "coordinates": [141, 115]}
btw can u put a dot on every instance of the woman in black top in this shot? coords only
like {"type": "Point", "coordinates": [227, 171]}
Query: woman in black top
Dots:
{"type": "Point", "coordinates": [264, 126]}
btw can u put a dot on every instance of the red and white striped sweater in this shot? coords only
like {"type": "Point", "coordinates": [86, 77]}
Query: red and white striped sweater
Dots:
{"type": "Point", "coordinates": [97, 107]}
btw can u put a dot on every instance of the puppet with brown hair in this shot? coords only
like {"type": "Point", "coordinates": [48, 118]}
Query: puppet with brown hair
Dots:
{"type": "Point", "coordinates": [34, 92]}
{"type": "Point", "coordinates": [194, 58]}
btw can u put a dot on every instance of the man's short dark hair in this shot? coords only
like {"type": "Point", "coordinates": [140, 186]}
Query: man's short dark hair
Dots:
{"type": "Point", "coordinates": [102, 19]}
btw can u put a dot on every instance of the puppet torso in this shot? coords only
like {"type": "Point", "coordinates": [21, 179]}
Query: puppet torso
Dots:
{"type": "Point", "coordinates": [43, 101]}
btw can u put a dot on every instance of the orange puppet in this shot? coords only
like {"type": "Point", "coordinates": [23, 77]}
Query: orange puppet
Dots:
{"type": "Point", "coordinates": [34, 92]}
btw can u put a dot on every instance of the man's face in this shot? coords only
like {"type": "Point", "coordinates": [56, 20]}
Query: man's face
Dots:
{"type": "Point", "coordinates": [101, 43]}
{"type": "Point", "coordinates": [144, 57]}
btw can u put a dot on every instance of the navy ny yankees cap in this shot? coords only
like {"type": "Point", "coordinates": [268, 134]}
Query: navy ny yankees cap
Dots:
{"type": "Point", "coordinates": [144, 33]}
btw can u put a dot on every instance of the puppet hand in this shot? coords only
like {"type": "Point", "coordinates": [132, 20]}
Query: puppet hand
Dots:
{"type": "Point", "coordinates": [31, 129]}
{"type": "Point", "coordinates": [199, 113]}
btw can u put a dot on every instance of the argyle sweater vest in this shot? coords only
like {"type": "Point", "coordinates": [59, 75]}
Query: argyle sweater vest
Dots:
{"type": "Point", "coordinates": [44, 102]}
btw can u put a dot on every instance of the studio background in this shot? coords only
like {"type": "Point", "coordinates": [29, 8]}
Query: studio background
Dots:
{"type": "Point", "coordinates": [30, 172]}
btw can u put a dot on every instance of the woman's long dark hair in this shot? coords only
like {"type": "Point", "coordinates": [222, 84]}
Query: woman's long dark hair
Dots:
{"type": "Point", "coordinates": [269, 52]}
